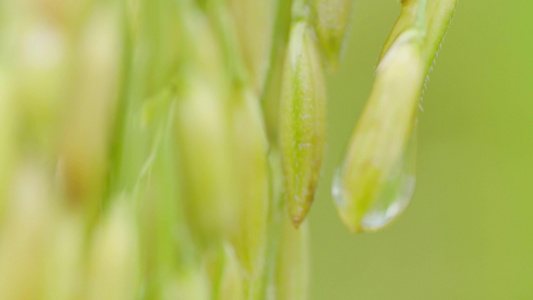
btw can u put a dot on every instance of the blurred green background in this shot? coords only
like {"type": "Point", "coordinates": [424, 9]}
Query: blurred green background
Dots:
{"type": "Point", "coordinates": [468, 233]}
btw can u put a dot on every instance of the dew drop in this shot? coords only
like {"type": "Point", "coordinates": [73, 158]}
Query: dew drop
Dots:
{"type": "Point", "coordinates": [393, 197]}
{"type": "Point", "coordinates": [337, 189]}
{"type": "Point", "coordinates": [396, 192]}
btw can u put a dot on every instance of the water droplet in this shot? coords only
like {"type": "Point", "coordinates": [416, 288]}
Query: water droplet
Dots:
{"type": "Point", "coordinates": [391, 199]}
{"type": "Point", "coordinates": [337, 189]}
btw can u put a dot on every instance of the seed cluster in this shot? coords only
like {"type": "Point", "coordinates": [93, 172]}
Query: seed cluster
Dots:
{"type": "Point", "coordinates": [171, 149]}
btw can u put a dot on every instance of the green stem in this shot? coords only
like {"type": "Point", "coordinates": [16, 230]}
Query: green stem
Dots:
{"type": "Point", "coordinates": [229, 41]}
{"type": "Point", "coordinates": [413, 15]}
{"type": "Point", "coordinates": [299, 10]}
{"type": "Point", "coordinates": [432, 17]}
{"type": "Point", "coordinates": [275, 220]}
{"type": "Point", "coordinates": [439, 15]}
{"type": "Point", "coordinates": [272, 92]}
{"type": "Point", "coordinates": [406, 20]}
{"type": "Point", "coordinates": [420, 20]}
{"type": "Point", "coordinates": [117, 140]}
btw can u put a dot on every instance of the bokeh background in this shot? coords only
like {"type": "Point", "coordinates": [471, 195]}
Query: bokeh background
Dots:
{"type": "Point", "coordinates": [468, 233]}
